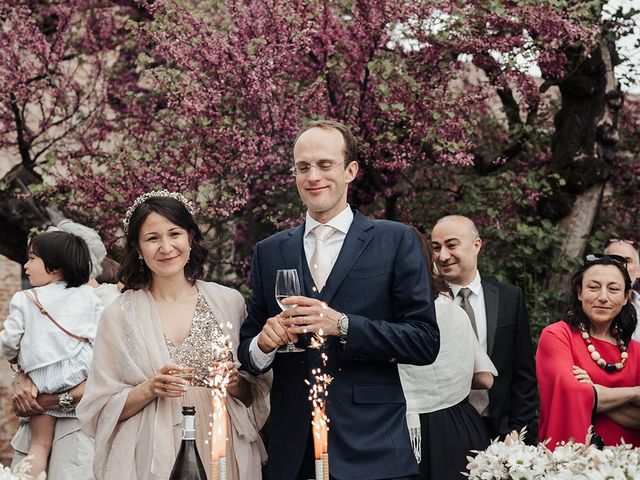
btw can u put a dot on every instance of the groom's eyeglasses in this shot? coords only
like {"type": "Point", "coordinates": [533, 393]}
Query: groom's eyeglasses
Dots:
{"type": "Point", "coordinates": [303, 168]}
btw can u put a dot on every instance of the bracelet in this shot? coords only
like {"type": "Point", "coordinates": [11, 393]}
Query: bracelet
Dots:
{"type": "Point", "coordinates": [65, 402]}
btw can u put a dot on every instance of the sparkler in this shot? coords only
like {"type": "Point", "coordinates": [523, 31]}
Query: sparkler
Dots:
{"type": "Point", "coordinates": [218, 427]}
{"type": "Point", "coordinates": [320, 422]}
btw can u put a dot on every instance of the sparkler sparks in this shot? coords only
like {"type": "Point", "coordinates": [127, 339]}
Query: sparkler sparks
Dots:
{"type": "Point", "coordinates": [320, 422]}
{"type": "Point", "coordinates": [218, 381]}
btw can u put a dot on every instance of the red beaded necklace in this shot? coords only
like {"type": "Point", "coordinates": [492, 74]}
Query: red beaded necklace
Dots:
{"type": "Point", "coordinates": [601, 362]}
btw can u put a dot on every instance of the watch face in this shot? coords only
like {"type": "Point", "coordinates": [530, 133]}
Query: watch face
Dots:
{"type": "Point", "coordinates": [343, 325]}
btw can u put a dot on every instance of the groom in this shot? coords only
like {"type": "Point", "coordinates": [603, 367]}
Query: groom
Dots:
{"type": "Point", "coordinates": [366, 286]}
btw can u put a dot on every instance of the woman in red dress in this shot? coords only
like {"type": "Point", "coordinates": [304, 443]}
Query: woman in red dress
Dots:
{"type": "Point", "coordinates": [587, 365]}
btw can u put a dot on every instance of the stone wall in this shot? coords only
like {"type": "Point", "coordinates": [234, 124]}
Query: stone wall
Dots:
{"type": "Point", "coordinates": [10, 283]}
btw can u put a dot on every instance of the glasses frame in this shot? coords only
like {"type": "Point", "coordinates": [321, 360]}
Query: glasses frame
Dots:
{"type": "Point", "coordinates": [295, 173]}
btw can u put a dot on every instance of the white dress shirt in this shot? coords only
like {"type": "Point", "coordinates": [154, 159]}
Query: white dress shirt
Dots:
{"type": "Point", "coordinates": [476, 299]}
{"type": "Point", "coordinates": [341, 222]}
{"type": "Point", "coordinates": [635, 301]}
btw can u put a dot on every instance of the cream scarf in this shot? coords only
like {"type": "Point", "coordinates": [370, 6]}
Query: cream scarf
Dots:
{"type": "Point", "coordinates": [129, 349]}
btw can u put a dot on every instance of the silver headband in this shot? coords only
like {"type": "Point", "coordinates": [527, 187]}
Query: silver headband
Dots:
{"type": "Point", "coordinates": [156, 193]}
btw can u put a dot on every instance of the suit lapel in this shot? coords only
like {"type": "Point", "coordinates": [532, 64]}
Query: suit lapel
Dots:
{"type": "Point", "coordinates": [292, 251]}
{"type": "Point", "coordinates": [358, 237]}
{"type": "Point", "coordinates": [491, 299]}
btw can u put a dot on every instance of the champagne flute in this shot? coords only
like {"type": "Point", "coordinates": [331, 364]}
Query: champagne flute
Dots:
{"type": "Point", "coordinates": [287, 285]}
{"type": "Point", "coordinates": [187, 374]}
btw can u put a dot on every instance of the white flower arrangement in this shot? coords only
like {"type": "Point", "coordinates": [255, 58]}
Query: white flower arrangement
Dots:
{"type": "Point", "coordinates": [512, 459]}
{"type": "Point", "coordinates": [21, 472]}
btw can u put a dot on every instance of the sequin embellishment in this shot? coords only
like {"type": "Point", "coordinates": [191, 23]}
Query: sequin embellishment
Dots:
{"type": "Point", "coordinates": [196, 350]}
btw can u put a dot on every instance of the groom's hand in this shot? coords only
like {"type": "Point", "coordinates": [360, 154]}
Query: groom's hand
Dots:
{"type": "Point", "coordinates": [310, 315]}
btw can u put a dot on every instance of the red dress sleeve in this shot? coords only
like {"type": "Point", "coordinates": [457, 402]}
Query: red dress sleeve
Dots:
{"type": "Point", "coordinates": [565, 403]}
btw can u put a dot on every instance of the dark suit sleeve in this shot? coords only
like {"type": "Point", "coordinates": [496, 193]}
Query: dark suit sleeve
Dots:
{"type": "Point", "coordinates": [411, 333]}
{"type": "Point", "coordinates": [523, 385]}
{"type": "Point", "coordinates": [256, 316]}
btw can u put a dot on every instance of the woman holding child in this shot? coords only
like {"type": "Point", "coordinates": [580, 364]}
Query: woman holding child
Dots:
{"type": "Point", "coordinates": [49, 335]}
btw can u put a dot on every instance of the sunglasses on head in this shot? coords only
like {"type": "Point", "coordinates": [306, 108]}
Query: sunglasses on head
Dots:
{"type": "Point", "coordinates": [599, 257]}
{"type": "Point", "coordinates": [611, 241]}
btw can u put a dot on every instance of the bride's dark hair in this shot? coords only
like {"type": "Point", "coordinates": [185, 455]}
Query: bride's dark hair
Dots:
{"type": "Point", "coordinates": [134, 274]}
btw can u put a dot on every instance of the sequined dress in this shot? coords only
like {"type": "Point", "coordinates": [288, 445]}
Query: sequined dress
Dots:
{"type": "Point", "coordinates": [199, 350]}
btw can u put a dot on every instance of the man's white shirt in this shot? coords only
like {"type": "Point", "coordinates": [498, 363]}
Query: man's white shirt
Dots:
{"type": "Point", "coordinates": [476, 299]}
{"type": "Point", "coordinates": [635, 301]}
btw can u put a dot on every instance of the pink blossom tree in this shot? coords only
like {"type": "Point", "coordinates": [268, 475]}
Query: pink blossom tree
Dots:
{"type": "Point", "coordinates": [56, 64]}
{"type": "Point", "coordinates": [239, 81]}
{"type": "Point", "coordinates": [206, 97]}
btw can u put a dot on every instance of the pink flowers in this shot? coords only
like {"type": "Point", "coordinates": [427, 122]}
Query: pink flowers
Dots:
{"type": "Point", "coordinates": [208, 100]}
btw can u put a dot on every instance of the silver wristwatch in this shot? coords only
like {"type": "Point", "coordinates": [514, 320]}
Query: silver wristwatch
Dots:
{"type": "Point", "coordinates": [65, 402]}
{"type": "Point", "coordinates": [343, 327]}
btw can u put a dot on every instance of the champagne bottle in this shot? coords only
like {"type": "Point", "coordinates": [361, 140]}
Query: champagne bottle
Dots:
{"type": "Point", "coordinates": [188, 465]}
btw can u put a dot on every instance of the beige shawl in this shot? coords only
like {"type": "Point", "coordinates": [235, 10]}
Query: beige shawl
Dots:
{"type": "Point", "coordinates": [129, 349]}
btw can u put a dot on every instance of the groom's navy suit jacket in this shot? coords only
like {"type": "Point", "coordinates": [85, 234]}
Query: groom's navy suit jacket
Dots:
{"type": "Point", "coordinates": [380, 281]}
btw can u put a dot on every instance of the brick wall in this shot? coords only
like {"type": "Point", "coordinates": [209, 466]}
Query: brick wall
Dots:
{"type": "Point", "coordinates": [10, 283]}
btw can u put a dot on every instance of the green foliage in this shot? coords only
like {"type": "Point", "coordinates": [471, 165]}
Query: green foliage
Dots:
{"type": "Point", "coordinates": [525, 252]}
{"type": "Point", "coordinates": [519, 247]}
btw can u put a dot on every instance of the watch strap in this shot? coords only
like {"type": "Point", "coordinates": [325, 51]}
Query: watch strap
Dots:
{"type": "Point", "coordinates": [343, 327]}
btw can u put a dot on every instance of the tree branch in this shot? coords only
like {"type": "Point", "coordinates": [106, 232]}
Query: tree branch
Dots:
{"type": "Point", "coordinates": [23, 145]}
{"type": "Point", "coordinates": [510, 106]}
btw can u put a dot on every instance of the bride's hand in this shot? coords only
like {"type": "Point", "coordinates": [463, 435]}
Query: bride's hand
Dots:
{"type": "Point", "coordinates": [164, 384]}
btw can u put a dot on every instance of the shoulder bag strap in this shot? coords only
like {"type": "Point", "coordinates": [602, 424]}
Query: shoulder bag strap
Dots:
{"type": "Point", "coordinates": [33, 296]}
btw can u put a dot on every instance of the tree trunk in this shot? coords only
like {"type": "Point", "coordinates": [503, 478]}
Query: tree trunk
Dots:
{"type": "Point", "coordinates": [19, 212]}
{"type": "Point", "coordinates": [583, 148]}
{"type": "Point", "coordinates": [579, 223]}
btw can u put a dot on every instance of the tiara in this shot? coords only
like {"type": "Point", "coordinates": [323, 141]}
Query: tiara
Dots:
{"type": "Point", "coordinates": [155, 194]}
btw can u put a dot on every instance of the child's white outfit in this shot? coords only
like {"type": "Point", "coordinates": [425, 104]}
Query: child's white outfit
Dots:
{"type": "Point", "coordinates": [54, 361]}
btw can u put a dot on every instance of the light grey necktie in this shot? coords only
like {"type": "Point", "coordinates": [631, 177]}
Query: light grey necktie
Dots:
{"type": "Point", "coordinates": [479, 399]}
{"type": "Point", "coordinates": [320, 264]}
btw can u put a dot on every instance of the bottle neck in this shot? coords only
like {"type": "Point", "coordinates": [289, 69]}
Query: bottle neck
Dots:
{"type": "Point", "coordinates": [188, 427]}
